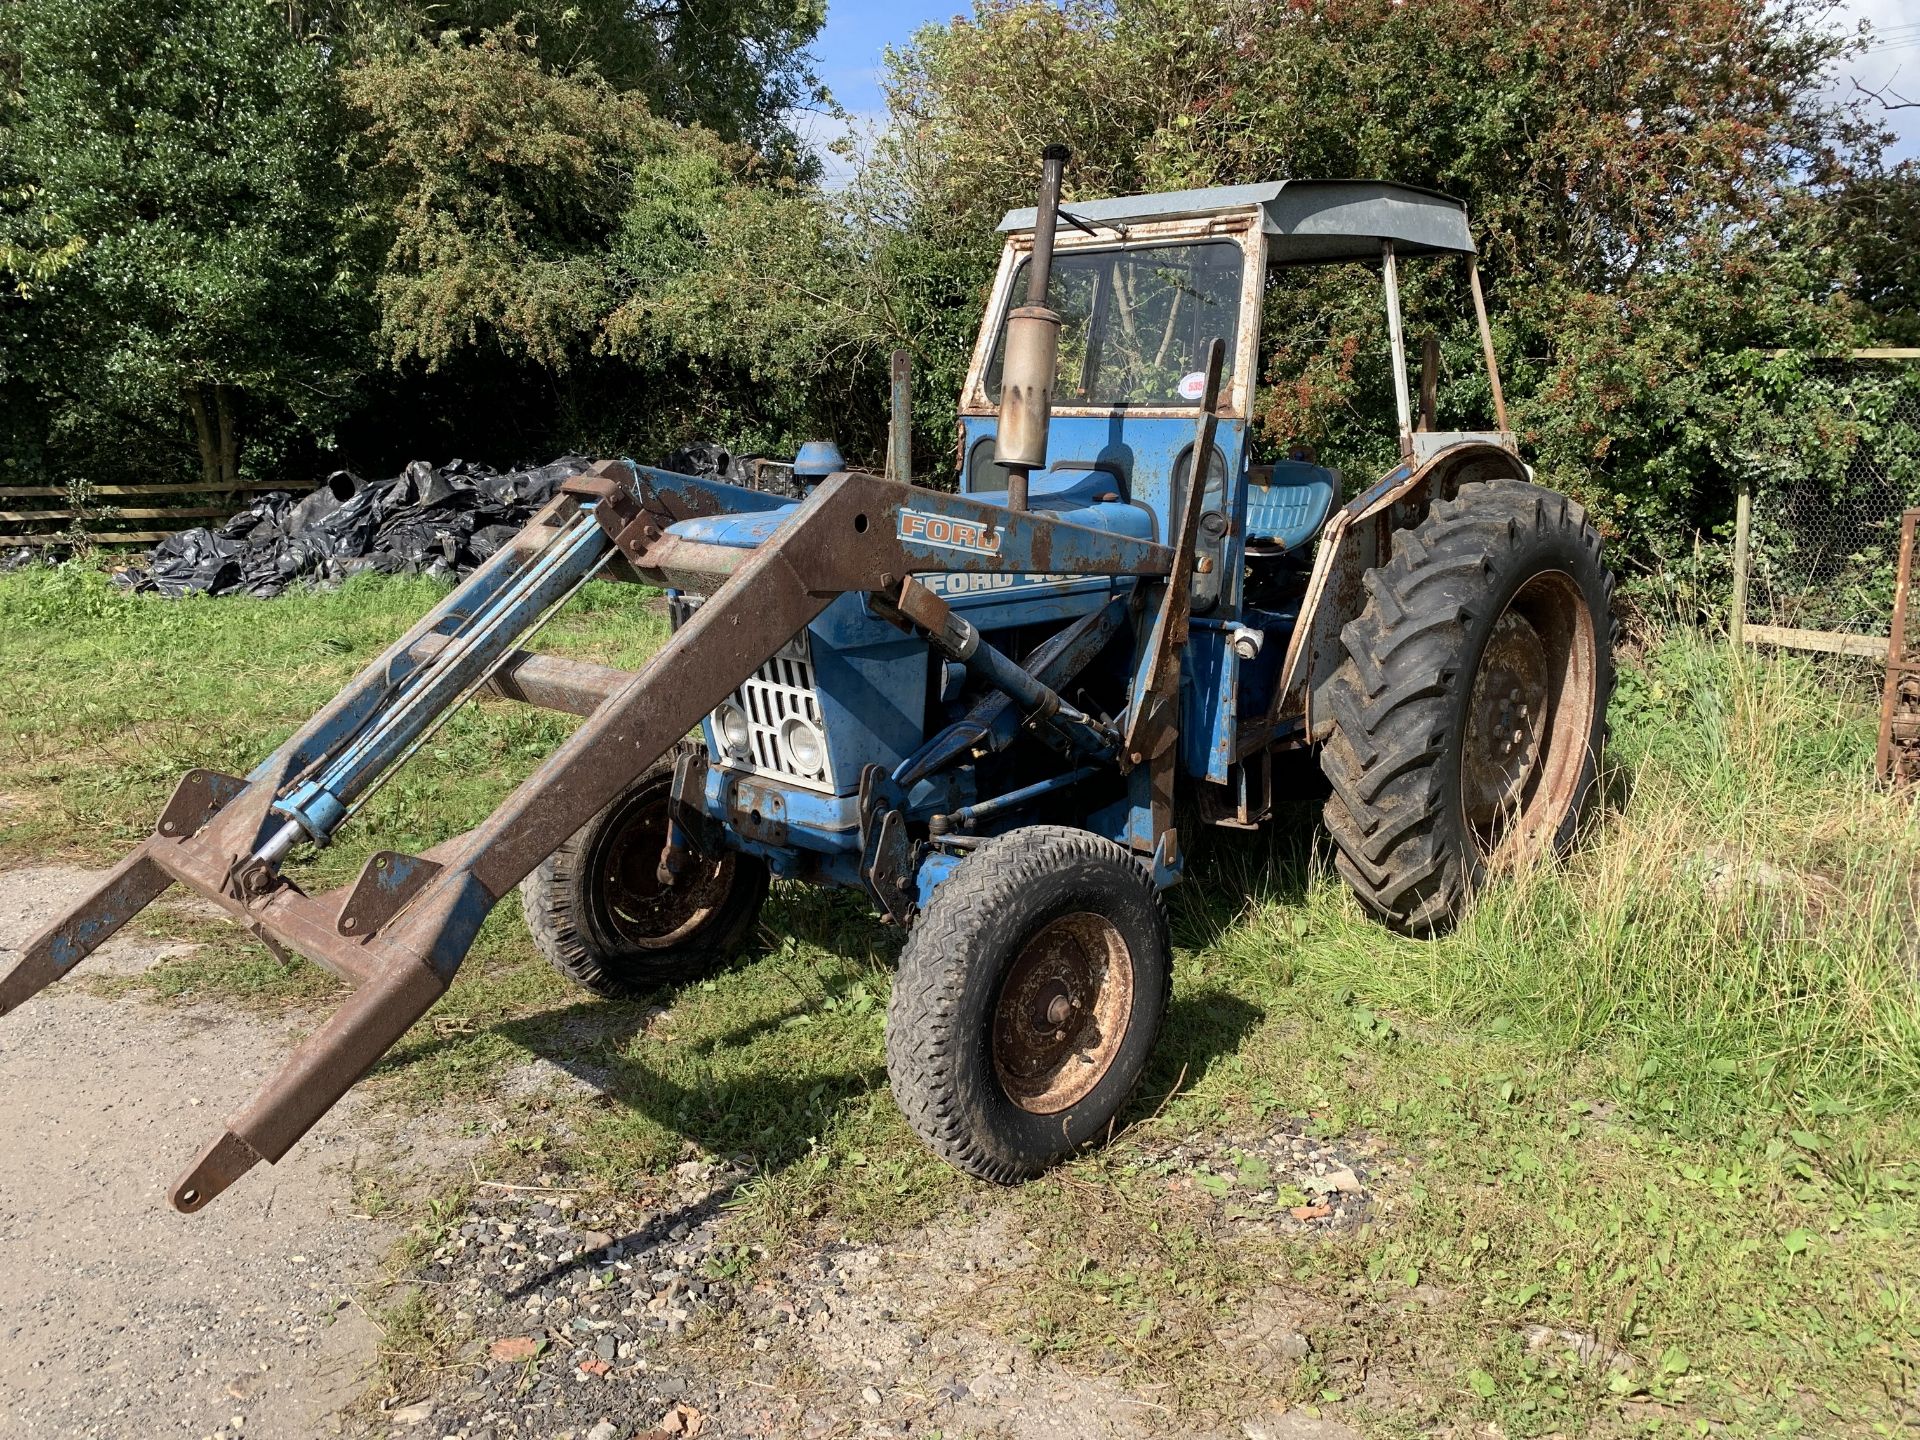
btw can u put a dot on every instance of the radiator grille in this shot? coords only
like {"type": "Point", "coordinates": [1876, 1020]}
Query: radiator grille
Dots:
{"type": "Point", "coordinates": [782, 688]}
{"type": "Point", "coordinates": [775, 693]}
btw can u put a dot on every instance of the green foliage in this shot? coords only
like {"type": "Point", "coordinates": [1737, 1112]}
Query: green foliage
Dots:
{"type": "Point", "coordinates": [735, 67]}
{"type": "Point", "coordinates": [168, 194]}
{"type": "Point", "coordinates": [217, 218]}
{"type": "Point", "coordinates": [499, 181]}
{"type": "Point", "coordinates": [553, 218]}
{"type": "Point", "coordinates": [1648, 220]}
{"type": "Point", "coordinates": [1885, 215]}
{"type": "Point", "coordinates": [373, 231]}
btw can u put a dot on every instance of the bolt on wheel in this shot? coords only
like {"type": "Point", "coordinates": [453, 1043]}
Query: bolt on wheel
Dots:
{"type": "Point", "coordinates": [631, 905]}
{"type": "Point", "coordinates": [1062, 1012]}
{"type": "Point", "coordinates": [1027, 1001]}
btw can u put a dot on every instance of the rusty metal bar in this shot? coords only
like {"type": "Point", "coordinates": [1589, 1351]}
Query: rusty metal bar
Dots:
{"type": "Point", "coordinates": [1486, 342]}
{"type": "Point", "coordinates": [132, 885]}
{"type": "Point", "coordinates": [1156, 686]}
{"type": "Point", "coordinates": [552, 682]}
{"type": "Point", "coordinates": [1046, 220]}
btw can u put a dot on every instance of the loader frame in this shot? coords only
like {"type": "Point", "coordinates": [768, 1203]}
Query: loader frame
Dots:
{"type": "Point", "coordinates": [399, 933]}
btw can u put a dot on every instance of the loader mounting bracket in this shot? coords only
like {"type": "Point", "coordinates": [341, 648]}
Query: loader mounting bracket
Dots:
{"type": "Point", "coordinates": [196, 800]}
{"type": "Point", "coordinates": [387, 882]}
{"type": "Point", "coordinates": [886, 854]}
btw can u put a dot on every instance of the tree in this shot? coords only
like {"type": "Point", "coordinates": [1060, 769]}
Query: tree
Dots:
{"type": "Point", "coordinates": [553, 219]}
{"type": "Point", "coordinates": [736, 68]}
{"type": "Point", "coordinates": [1652, 184]}
{"type": "Point", "coordinates": [497, 185]}
{"type": "Point", "coordinates": [179, 156]}
{"type": "Point", "coordinates": [1885, 215]}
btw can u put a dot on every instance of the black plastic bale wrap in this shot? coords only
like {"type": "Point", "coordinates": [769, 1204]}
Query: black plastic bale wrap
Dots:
{"type": "Point", "coordinates": [423, 521]}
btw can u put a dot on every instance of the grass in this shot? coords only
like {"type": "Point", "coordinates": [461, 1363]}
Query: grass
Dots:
{"type": "Point", "coordinates": [1660, 1095]}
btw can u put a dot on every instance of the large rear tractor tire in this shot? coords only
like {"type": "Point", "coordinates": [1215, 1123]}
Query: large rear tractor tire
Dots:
{"type": "Point", "coordinates": [601, 916]}
{"type": "Point", "coordinates": [1469, 712]}
{"type": "Point", "coordinates": [1028, 999]}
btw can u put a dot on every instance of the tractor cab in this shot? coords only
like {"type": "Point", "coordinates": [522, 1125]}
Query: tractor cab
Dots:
{"type": "Point", "coordinates": [1141, 284]}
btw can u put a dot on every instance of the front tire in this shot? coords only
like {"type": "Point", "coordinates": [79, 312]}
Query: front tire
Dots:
{"type": "Point", "coordinates": [1469, 712]}
{"type": "Point", "coordinates": [1027, 1001]}
{"type": "Point", "coordinates": [598, 912]}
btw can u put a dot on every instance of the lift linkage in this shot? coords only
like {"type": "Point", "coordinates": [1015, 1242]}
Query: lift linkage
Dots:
{"type": "Point", "coordinates": [399, 932]}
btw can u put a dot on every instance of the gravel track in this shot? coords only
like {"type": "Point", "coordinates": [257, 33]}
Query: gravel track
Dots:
{"type": "Point", "coordinates": [119, 1317]}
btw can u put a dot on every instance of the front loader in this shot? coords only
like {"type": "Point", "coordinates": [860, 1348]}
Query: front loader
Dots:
{"type": "Point", "coordinates": [993, 711]}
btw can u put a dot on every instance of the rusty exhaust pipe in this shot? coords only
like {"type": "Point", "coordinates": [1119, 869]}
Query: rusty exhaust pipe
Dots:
{"type": "Point", "coordinates": [1033, 345]}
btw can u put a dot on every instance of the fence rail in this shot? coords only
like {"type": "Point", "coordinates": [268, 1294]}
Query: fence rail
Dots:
{"type": "Point", "coordinates": [73, 516]}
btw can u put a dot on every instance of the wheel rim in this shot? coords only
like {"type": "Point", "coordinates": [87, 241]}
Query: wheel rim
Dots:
{"type": "Point", "coordinates": [628, 904]}
{"type": "Point", "coordinates": [1063, 1010]}
{"type": "Point", "coordinates": [1529, 719]}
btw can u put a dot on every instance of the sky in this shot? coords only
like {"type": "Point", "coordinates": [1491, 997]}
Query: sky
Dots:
{"type": "Point", "coordinates": [851, 51]}
{"type": "Point", "coordinates": [1892, 64]}
{"type": "Point", "coordinates": [851, 55]}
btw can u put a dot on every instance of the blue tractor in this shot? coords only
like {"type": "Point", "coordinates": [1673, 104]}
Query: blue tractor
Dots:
{"type": "Point", "coordinates": [995, 709]}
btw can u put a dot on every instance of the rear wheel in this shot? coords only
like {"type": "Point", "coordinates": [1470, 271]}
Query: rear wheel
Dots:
{"type": "Point", "coordinates": [1469, 713]}
{"type": "Point", "coordinates": [1028, 999]}
{"type": "Point", "coordinates": [601, 915]}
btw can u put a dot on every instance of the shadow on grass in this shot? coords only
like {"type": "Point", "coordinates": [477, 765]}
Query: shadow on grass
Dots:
{"type": "Point", "coordinates": [770, 1116]}
{"type": "Point", "coordinates": [767, 1113]}
{"type": "Point", "coordinates": [1202, 1028]}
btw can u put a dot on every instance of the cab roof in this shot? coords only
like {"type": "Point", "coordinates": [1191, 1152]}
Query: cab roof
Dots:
{"type": "Point", "coordinates": [1308, 220]}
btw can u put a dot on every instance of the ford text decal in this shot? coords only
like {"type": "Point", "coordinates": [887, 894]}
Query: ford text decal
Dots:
{"type": "Point", "coordinates": [961, 582]}
{"type": "Point", "coordinates": [946, 533]}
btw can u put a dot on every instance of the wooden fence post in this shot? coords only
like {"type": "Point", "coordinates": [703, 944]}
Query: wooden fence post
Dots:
{"type": "Point", "coordinates": [1742, 537]}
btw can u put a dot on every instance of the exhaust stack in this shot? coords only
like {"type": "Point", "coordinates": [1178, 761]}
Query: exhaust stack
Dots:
{"type": "Point", "coordinates": [1033, 345]}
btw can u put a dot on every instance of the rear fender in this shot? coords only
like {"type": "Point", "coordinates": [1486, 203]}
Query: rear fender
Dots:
{"type": "Point", "coordinates": [1358, 538]}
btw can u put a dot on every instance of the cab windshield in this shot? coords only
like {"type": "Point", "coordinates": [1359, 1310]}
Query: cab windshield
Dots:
{"type": "Point", "coordinates": [1134, 324]}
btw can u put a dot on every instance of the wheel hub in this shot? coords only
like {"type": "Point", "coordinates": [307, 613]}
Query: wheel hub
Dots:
{"type": "Point", "coordinates": [1062, 1012]}
{"type": "Point", "coordinates": [1510, 698]}
{"type": "Point", "coordinates": [1529, 718]}
{"type": "Point", "coordinates": [630, 901]}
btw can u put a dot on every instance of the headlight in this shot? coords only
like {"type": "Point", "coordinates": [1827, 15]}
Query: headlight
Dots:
{"type": "Point", "coordinates": [805, 746]}
{"type": "Point", "coordinates": [731, 723]}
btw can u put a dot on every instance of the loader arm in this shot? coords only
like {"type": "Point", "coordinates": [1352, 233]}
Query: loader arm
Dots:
{"type": "Point", "coordinates": [399, 933]}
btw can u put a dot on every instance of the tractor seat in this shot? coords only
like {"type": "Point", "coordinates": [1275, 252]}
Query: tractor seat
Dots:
{"type": "Point", "coordinates": [1287, 503]}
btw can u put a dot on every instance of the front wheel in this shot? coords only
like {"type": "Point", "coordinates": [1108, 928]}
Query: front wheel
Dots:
{"type": "Point", "coordinates": [598, 911]}
{"type": "Point", "coordinates": [1028, 999]}
{"type": "Point", "coordinates": [1469, 712]}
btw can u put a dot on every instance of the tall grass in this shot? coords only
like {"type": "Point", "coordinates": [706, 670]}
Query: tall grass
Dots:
{"type": "Point", "coordinates": [1738, 918]}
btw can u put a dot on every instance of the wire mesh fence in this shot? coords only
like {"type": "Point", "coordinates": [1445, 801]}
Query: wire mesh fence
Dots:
{"type": "Point", "coordinates": [1822, 548]}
